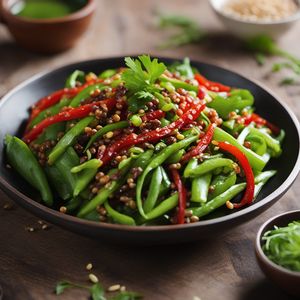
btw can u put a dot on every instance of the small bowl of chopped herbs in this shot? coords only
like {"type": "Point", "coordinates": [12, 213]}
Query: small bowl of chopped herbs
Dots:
{"type": "Point", "coordinates": [278, 250]}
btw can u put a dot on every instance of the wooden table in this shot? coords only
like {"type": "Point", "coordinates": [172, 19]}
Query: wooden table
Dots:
{"type": "Point", "coordinates": [32, 262]}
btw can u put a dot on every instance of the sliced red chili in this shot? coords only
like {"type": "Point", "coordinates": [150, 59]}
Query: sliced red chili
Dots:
{"type": "Point", "coordinates": [153, 135]}
{"type": "Point", "coordinates": [257, 119]}
{"type": "Point", "coordinates": [202, 145]}
{"type": "Point", "coordinates": [181, 196]}
{"type": "Point", "coordinates": [244, 163]}
{"type": "Point", "coordinates": [211, 85]}
{"type": "Point", "coordinates": [67, 115]}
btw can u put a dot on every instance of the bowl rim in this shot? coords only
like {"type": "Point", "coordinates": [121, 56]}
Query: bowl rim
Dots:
{"type": "Point", "coordinates": [81, 13]}
{"type": "Point", "coordinates": [177, 227]}
{"type": "Point", "coordinates": [289, 19]}
{"type": "Point", "coordinates": [260, 252]}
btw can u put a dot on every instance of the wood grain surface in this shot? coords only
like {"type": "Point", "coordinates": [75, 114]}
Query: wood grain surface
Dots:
{"type": "Point", "coordinates": [32, 262]}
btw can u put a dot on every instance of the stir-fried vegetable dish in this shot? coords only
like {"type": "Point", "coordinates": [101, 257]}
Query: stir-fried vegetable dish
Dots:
{"type": "Point", "coordinates": [145, 144]}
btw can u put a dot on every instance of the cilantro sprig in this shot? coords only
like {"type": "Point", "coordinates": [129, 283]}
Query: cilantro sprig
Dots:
{"type": "Point", "coordinates": [140, 78]}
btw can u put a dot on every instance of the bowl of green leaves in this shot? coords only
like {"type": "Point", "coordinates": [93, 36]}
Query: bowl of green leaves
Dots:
{"type": "Point", "coordinates": [278, 250]}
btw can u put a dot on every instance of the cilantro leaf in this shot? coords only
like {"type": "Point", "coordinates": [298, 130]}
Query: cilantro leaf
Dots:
{"type": "Point", "coordinates": [127, 296]}
{"type": "Point", "coordinates": [97, 292]}
{"type": "Point", "coordinates": [140, 79]}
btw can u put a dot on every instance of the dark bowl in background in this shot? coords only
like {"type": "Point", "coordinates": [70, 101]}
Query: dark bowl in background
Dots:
{"type": "Point", "coordinates": [47, 35]}
{"type": "Point", "coordinates": [14, 111]}
{"type": "Point", "coordinates": [284, 278]}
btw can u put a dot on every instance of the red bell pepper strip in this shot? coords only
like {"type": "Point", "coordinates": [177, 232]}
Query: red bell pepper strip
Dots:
{"type": "Point", "coordinates": [202, 145]}
{"type": "Point", "coordinates": [67, 115]}
{"type": "Point", "coordinates": [181, 196]}
{"type": "Point", "coordinates": [244, 163]}
{"type": "Point", "coordinates": [153, 135]}
{"type": "Point", "coordinates": [211, 85]}
{"type": "Point", "coordinates": [261, 121]}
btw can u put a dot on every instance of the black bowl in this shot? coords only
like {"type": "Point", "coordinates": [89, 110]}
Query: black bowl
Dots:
{"type": "Point", "coordinates": [14, 111]}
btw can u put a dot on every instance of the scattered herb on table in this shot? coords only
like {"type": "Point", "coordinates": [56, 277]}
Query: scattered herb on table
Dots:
{"type": "Point", "coordinates": [189, 32]}
{"type": "Point", "coordinates": [282, 245]}
{"type": "Point", "coordinates": [97, 292]}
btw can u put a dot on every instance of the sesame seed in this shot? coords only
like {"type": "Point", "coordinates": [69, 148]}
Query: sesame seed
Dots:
{"type": "Point", "coordinates": [229, 205]}
{"type": "Point", "coordinates": [7, 206]}
{"type": "Point", "coordinates": [114, 288]}
{"type": "Point", "coordinates": [89, 266]}
{"type": "Point", "coordinates": [109, 135]}
{"type": "Point", "coordinates": [93, 278]}
{"type": "Point", "coordinates": [179, 136]}
{"type": "Point", "coordinates": [194, 219]}
{"type": "Point", "coordinates": [123, 288]}
{"type": "Point", "coordinates": [63, 209]}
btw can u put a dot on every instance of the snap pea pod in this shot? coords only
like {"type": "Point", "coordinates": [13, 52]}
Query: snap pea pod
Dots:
{"type": "Point", "coordinates": [258, 144]}
{"type": "Point", "coordinates": [76, 76]}
{"type": "Point", "coordinates": [85, 174]}
{"type": "Point", "coordinates": [208, 166]}
{"type": "Point", "coordinates": [68, 139]}
{"type": "Point", "coordinates": [153, 193]}
{"type": "Point", "coordinates": [155, 162]}
{"type": "Point", "coordinates": [221, 183]}
{"type": "Point", "coordinates": [86, 93]}
{"type": "Point", "coordinates": [256, 161]}
{"type": "Point", "coordinates": [117, 216]}
{"type": "Point", "coordinates": [164, 206]}
{"type": "Point", "coordinates": [64, 164]}
{"type": "Point", "coordinates": [62, 187]}
{"type": "Point", "coordinates": [238, 100]}
{"type": "Point", "coordinates": [200, 186]}
{"type": "Point", "coordinates": [179, 84]}
{"type": "Point", "coordinates": [24, 162]}
{"type": "Point", "coordinates": [104, 130]}
{"type": "Point", "coordinates": [272, 143]}
{"type": "Point", "coordinates": [218, 201]}
{"type": "Point", "coordinates": [51, 111]}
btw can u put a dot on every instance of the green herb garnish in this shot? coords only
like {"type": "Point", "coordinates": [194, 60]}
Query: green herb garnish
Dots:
{"type": "Point", "coordinates": [282, 246]}
{"type": "Point", "coordinates": [97, 292]}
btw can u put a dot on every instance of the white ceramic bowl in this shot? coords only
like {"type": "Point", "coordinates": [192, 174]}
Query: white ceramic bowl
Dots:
{"type": "Point", "coordinates": [245, 29]}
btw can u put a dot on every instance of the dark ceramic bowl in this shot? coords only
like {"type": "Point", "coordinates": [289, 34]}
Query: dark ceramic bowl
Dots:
{"type": "Point", "coordinates": [14, 111]}
{"type": "Point", "coordinates": [284, 278]}
{"type": "Point", "coordinates": [47, 35]}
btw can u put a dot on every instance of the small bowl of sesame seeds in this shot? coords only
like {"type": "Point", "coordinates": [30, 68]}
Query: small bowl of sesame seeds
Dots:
{"type": "Point", "coordinates": [248, 18]}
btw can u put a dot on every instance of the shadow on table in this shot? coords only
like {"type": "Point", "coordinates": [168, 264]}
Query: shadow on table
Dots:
{"type": "Point", "coordinates": [265, 289]}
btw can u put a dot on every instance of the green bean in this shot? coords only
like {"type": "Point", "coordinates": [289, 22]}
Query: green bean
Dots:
{"type": "Point", "coordinates": [155, 162]}
{"type": "Point", "coordinates": [87, 172]}
{"type": "Point", "coordinates": [73, 204]}
{"type": "Point", "coordinates": [107, 73]}
{"type": "Point", "coordinates": [256, 161]}
{"type": "Point", "coordinates": [76, 76]}
{"type": "Point", "coordinates": [179, 84]}
{"type": "Point", "coordinates": [24, 162]}
{"type": "Point", "coordinates": [221, 183]}
{"type": "Point", "coordinates": [209, 165]}
{"type": "Point", "coordinates": [264, 176]}
{"type": "Point", "coordinates": [164, 206]}
{"type": "Point", "coordinates": [117, 216]}
{"type": "Point", "coordinates": [143, 159]}
{"type": "Point", "coordinates": [68, 139]}
{"type": "Point", "coordinates": [165, 184]}
{"type": "Point", "coordinates": [192, 164]}
{"type": "Point", "coordinates": [164, 122]}
{"type": "Point", "coordinates": [258, 144]}
{"type": "Point", "coordinates": [176, 157]}
{"type": "Point", "coordinates": [200, 186]}
{"type": "Point", "coordinates": [218, 201]}
{"type": "Point", "coordinates": [104, 130]}
{"type": "Point", "coordinates": [153, 193]}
